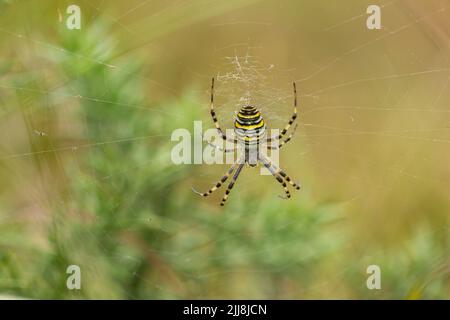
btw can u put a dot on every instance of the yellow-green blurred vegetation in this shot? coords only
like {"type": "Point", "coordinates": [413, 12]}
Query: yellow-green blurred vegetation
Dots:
{"type": "Point", "coordinates": [86, 118]}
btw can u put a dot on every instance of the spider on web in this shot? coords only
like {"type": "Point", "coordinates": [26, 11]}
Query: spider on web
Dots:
{"type": "Point", "coordinates": [250, 133]}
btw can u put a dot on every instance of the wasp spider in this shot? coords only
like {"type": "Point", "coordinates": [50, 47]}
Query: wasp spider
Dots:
{"type": "Point", "coordinates": [250, 132]}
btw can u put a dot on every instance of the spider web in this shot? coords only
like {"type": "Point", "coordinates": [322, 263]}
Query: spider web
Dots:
{"type": "Point", "coordinates": [408, 111]}
{"type": "Point", "coordinates": [244, 80]}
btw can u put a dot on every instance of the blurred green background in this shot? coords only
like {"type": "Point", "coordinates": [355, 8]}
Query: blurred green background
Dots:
{"type": "Point", "coordinates": [85, 172]}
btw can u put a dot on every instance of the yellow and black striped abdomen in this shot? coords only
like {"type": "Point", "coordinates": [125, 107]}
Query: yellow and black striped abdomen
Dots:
{"type": "Point", "coordinates": [249, 125]}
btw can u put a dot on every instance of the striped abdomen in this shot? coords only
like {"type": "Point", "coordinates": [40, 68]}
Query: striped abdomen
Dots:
{"type": "Point", "coordinates": [249, 126]}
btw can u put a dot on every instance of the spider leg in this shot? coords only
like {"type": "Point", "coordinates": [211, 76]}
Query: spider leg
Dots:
{"type": "Point", "coordinates": [283, 142]}
{"type": "Point", "coordinates": [291, 121]}
{"type": "Point", "coordinates": [214, 117]}
{"type": "Point", "coordinates": [272, 170]}
{"type": "Point", "coordinates": [220, 148]}
{"type": "Point", "coordinates": [230, 186]}
{"type": "Point", "coordinates": [218, 184]}
{"type": "Point", "coordinates": [281, 173]}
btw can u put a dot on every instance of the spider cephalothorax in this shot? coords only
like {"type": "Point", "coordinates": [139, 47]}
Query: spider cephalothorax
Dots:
{"type": "Point", "coordinates": [250, 134]}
